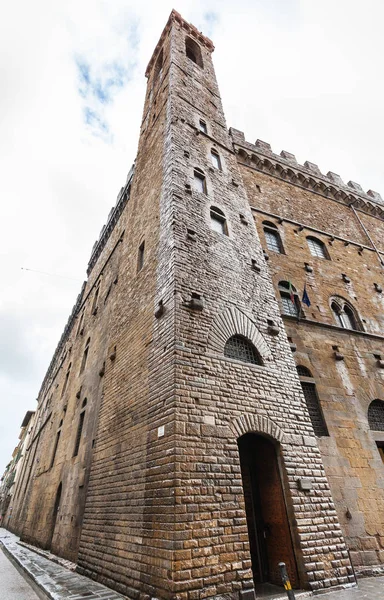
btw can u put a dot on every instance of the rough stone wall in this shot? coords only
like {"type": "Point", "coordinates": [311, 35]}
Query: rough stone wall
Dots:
{"type": "Point", "coordinates": [159, 470]}
{"type": "Point", "coordinates": [345, 388]}
{"type": "Point", "coordinates": [220, 399]}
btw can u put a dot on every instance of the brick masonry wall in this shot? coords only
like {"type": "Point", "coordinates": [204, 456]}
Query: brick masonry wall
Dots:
{"type": "Point", "coordinates": [345, 388]}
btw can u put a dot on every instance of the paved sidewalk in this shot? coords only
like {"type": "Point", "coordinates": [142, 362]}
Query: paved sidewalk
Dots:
{"type": "Point", "coordinates": [56, 581]}
{"type": "Point", "coordinates": [62, 583]}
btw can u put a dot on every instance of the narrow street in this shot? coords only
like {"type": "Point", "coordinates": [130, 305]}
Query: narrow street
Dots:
{"type": "Point", "coordinates": [13, 586]}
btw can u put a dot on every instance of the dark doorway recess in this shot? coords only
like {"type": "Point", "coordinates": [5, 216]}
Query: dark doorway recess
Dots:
{"type": "Point", "coordinates": [54, 515]}
{"type": "Point", "coordinates": [268, 528]}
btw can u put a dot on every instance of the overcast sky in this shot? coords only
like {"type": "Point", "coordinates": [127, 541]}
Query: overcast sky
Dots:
{"type": "Point", "coordinates": [303, 75]}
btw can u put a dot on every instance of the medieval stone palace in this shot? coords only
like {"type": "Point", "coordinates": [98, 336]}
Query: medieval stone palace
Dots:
{"type": "Point", "coordinates": [216, 402]}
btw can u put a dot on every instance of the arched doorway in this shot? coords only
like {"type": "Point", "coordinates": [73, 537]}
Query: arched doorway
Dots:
{"type": "Point", "coordinates": [268, 528]}
{"type": "Point", "coordinates": [54, 514]}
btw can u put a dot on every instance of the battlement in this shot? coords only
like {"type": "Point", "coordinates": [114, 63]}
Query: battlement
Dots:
{"type": "Point", "coordinates": [285, 166]}
{"type": "Point", "coordinates": [176, 17]}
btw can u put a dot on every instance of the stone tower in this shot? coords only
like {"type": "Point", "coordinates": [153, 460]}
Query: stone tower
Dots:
{"type": "Point", "coordinates": [206, 471]}
{"type": "Point", "coordinates": [199, 470]}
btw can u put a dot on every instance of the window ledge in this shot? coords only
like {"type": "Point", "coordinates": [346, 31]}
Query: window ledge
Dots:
{"type": "Point", "coordinates": [334, 327]}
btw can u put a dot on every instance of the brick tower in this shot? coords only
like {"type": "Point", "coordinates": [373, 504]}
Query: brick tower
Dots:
{"type": "Point", "coordinates": [206, 471]}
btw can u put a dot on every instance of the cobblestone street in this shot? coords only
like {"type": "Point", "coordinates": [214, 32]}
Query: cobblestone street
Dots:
{"type": "Point", "coordinates": [61, 583]}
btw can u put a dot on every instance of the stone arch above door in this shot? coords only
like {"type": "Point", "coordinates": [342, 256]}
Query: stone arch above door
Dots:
{"type": "Point", "coordinates": [256, 424]}
{"type": "Point", "coordinates": [232, 321]}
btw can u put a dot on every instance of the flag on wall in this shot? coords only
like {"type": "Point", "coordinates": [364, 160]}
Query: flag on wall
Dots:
{"type": "Point", "coordinates": [305, 299]}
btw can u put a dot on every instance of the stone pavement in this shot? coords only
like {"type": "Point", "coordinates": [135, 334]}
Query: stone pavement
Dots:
{"type": "Point", "coordinates": [61, 583]}
{"type": "Point", "coordinates": [55, 580]}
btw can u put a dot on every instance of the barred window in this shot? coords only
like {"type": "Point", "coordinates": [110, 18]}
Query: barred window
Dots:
{"type": "Point", "coordinates": [303, 371]}
{"type": "Point", "coordinates": [317, 248]}
{"type": "Point", "coordinates": [240, 348]}
{"type": "Point", "coordinates": [272, 237]}
{"type": "Point", "coordinates": [376, 415]}
{"type": "Point", "coordinates": [314, 409]}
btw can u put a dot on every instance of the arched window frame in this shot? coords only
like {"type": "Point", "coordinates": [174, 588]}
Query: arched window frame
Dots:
{"type": "Point", "coordinates": [203, 126]}
{"type": "Point", "coordinates": [345, 314]}
{"type": "Point", "coordinates": [80, 427]}
{"type": "Point", "coordinates": [375, 415]}
{"type": "Point", "coordinates": [317, 248]}
{"type": "Point", "coordinates": [218, 220]}
{"type": "Point", "coordinates": [272, 237]}
{"type": "Point", "coordinates": [312, 400]}
{"type": "Point", "coordinates": [140, 256]}
{"type": "Point", "coordinates": [66, 379]}
{"type": "Point", "coordinates": [216, 160]}
{"type": "Point", "coordinates": [240, 348]}
{"type": "Point", "coordinates": [193, 52]}
{"type": "Point", "coordinates": [200, 181]}
{"type": "Point", "coordinates": [289, 307]}
{"type": "Point", "coordinates": [85, 355]}
{"type": "Point", "coordinates": [158, 68]}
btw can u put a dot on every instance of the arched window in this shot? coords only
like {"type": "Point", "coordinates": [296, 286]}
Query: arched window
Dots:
{"type": "Point", "coordinates": [376, 415]}
{"type": "Point", "coordinates": [203, 126]}
{"type": "Point", "coordinates": [218, 220]}
{"type": "Point", "coordinates": [158, 66]}
{"type": "Point", "coordinates": [95, 298]}
{"type": "Point", "coordinates": [345, 315]}
{"type": "Point", "coordinates": [312, 400]}
{"type": "Point", "coordinates": [289, 299]}
{"type": "Point", "coordinates": [272, 237]}
{"type": "Point", "coordinates": [240, 348]}
{"type": "Point", "coordinates": [80, 428]}
{"type": "Point", "coordinates": [215, 157]}
{"type": "Point", "coordinates": [66, 379]}
{"type": "Point", "coordinates": [200, 182]}
{"type": "Point", "coordinates": [141, 256]}
{"type": "Point", "coordinates": [317, 248]}
{"type": "Point", "coordinates": [85, 355]}
{"type": "Point", "coordinates": [193, 51]}
{"type": "Point", "coordinates": [303, 371]}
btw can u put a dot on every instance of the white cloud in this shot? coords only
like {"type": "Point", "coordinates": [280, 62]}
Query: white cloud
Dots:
{"type": "Point", "coordinates": [305, 76]}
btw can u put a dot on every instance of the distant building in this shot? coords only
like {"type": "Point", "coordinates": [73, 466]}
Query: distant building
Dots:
{"type": "Point", "coordinates": [10, 482]}
{"type": "Point", "coordinates": [215, 404]}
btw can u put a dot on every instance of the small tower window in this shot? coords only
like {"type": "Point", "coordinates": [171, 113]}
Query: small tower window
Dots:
{"type": "Point", "coordinates": [215, 157]}
{"type": "Point", "coordinates": [200, 182]}
{"type": "Point", "coordinates": [272, 237]}
{"type": "Point", "coordinates": [158, 66]}
{"type": "Point", "coordinates": [345, 315]}
{"type": "Point", "coordinates": [203, 126]}
{"type": "Point", "coordinates": [289, 299]}
{"type": "Point", "coordinates": [218, 220]}
{"type": "Point", "coordinates": [317, 248]}
{"type": "Point", "coordinates": [312, 401]}
{"type": "Point", "coordinates": [85, 355]}
{"type": "Point", "coordinates": [193, 51]}
{"type": "Point", "coordinates": [240, 348]}
{"type": "Point", "coordinates": [141, 256]}
{"type": "Point", "coordinates": [376, 415]}
{"type": "Point", "coordinates": [80, 328]}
